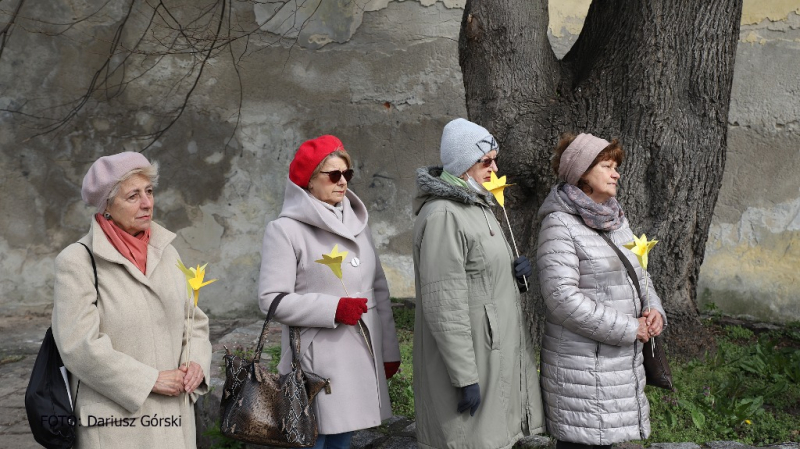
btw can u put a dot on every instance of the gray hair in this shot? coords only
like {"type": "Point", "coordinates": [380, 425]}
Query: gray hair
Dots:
{"type": "Point", "coordinates": [150, 172]}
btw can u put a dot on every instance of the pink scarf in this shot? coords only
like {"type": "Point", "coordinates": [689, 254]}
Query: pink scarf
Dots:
{"type": "Point", "coordinates": [133, 248]}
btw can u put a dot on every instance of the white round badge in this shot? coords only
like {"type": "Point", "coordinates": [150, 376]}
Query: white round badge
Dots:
{"type": "Point", "coordinates": [355, 262]}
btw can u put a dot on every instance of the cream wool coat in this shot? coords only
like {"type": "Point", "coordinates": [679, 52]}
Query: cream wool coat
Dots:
{"type": "Point", "coordinates": [117, 348]}
{"type": "Point", "coordinates": [305, 229]}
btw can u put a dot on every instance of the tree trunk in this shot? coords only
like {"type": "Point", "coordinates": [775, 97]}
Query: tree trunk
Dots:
{"type": "Point", "coordinates": [656, 75]}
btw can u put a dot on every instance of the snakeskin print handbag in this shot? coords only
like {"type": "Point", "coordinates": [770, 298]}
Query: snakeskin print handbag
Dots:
{"type": "Point", "coordinates": [264, 408]}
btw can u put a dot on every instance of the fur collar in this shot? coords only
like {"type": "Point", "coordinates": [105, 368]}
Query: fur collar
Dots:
{"type": "Point", "coordinates": [431, 187]}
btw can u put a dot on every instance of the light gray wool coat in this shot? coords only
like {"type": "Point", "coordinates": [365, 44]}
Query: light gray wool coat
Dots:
{"type": "Point", "coordinates": [469, 325]}
{"type": "Point", "coordinates": [592, 374]}
{"type": "Point", "coordinates": [118, 347]}
{"type": "Point", "coordinates": [306, 229]}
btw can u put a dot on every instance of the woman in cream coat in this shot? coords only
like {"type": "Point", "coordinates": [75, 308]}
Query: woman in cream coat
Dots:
{"type": "Point", "coordinates": [318, 213]}
{"type": "Point", "coordinates": [126, 345]}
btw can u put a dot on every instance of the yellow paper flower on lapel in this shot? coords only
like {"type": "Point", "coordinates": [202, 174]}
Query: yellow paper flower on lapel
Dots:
{"type": "Point", "coordinates": [334, 260]}
{"type": "Point", "coordinates": [640, 246]}
{"type": "Point", "coordinates": [194, 279]}
{"type": "Point", "coordinates": [496, 186]}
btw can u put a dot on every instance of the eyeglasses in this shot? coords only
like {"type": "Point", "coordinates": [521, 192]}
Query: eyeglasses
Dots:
{"type": "Point", "coordinates": [487, 162]}
{"type": "Point", "coordinates": [336, 175]}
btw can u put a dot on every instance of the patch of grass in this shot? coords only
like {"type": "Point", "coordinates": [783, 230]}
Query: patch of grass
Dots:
{"type": "Point", "coordinates": [738, 333]}
{"type": "Point", "coordinates": [403, 316]}
{"type": "Point", "coordinates": [401, 386]}
{"type": "Point", "coordinates": [220, 441]}
{"type": "Point", "coordinates": [748, 391]}
{"type": "Point", "coordinates": [274, 353]}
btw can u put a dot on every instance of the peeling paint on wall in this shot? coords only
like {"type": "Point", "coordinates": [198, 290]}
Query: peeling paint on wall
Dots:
{"type": "Point", "coordinates": [755, 11]}
{"type": "Point", "coordinates": [316, 23]}
{"type": "Point", "coordinates": [751, 266]}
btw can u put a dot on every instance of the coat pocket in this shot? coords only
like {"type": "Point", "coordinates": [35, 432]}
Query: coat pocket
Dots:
{"type": "Point", "coordinates": [492, 328]}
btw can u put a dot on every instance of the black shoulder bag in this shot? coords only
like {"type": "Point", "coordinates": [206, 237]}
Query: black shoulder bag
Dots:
{"type": "Point", "coordinates": [656, 367]}
{"type": "Point", "coordinates": [47, 399]}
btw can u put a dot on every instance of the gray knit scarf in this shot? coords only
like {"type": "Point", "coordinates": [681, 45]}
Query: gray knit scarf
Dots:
{"type": "Point", "coordinates": [605, 216]}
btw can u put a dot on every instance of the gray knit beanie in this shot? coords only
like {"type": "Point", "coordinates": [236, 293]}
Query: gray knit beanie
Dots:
{"type": "Point", "coordinates": [463, 144]}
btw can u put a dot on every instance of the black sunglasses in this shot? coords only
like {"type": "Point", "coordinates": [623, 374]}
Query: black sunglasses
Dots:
{"type": "Point", "coordinates": [336, 175]}
{"type": "Point", "coordinates": [488, 161]}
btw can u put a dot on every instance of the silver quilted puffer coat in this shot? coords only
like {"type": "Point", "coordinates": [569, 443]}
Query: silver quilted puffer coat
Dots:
{"type": "Point", "coordinates": [592, 375]}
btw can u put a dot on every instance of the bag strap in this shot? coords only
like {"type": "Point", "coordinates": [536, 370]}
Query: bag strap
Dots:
{"type": "Point", "coordinates": [270, 314]}
{"type": "Point", "coordinates": [94, 269]}
{"type": "Point", "coordinates": [626, 262]}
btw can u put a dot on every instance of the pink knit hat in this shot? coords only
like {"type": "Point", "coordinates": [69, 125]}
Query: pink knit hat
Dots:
{"type": "Point", "coordinates": [105, 173]}
{"type": "Point", "coordinates": [578, 156]}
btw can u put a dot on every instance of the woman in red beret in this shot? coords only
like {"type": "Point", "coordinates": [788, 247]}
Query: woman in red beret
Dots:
{"type": "Point", "coordinates": [350, 340]}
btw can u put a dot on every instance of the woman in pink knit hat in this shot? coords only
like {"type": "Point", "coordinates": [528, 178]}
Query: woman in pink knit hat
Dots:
{"type": "Point", "coordinates": [596, 322]}
{"type": "Point", "coordinates": [348, 338]}
{"type": "Point", "coordinates": [119, 318]}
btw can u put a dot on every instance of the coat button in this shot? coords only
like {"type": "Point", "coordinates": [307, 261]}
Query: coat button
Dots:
{"type": "Point", "coordinates": [355, 262]}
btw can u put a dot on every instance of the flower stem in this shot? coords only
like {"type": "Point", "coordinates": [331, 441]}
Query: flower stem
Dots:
{"type": "Point", "coordinates": [514, 242]}
{"type": "Point", "coordinates": [647, 304]}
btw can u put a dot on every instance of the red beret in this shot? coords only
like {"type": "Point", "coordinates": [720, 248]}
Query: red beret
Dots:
{"type": "Point", "coordinates": [308, 157]}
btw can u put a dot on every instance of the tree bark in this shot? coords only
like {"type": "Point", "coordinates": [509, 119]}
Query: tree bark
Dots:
{"type": "Point", "coordinates": [657, 75]}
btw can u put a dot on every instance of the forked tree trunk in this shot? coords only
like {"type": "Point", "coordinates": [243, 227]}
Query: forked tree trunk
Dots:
{"type": "Point", "coordinates": [655, 74]}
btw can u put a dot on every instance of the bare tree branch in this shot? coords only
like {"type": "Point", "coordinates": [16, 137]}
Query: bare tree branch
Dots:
{"type": "Point", "coordinates": [163, 31]}
{"type": "Point", "coordinates": [194, 85]}
{"type": "Point", "coordinates": [5, 33]}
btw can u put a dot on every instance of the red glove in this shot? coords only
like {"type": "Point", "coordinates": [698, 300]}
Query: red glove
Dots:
{"type": "Point", "coordinates": [349, 310]}
{"type": "Point", "coordinates": [391, 368]}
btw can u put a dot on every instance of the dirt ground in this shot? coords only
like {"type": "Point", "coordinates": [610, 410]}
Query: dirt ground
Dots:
{"type": "Point", "coordinates": [21, 338]}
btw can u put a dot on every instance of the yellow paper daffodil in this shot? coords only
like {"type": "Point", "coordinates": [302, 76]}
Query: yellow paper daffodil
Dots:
{"type": "Point", "coordinates": [640, 246]}
{"type": "Point", "coordinates": [496, 186]}
{"type": "Point", "coordinates": [194, 279]}
{"type": "Point", "coordinates": [189, 275]}
{"type": "Point", "coordinates": [334, 260]}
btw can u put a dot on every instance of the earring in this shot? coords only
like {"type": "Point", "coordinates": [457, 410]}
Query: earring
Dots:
{"type": "Point", "coordinates": [107, 216]}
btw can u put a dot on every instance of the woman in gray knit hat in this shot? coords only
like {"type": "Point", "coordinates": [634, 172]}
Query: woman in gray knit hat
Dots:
{"type": "Point", "coordinates": [471, 352]}
{"type": "Point", "coordinates": [595, 326]}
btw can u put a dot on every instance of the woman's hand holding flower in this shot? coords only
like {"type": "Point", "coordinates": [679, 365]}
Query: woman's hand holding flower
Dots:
{"type": "Point", "coordinates": [655, 322]}
{"type": "Point", "coordinates": [193, 376]}
{"type": "Point", "coordinates": [349, 310]}
{"type": "Point", "coordinates": [169, 383]}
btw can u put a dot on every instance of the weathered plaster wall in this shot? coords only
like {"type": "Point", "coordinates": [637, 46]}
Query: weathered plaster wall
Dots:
{"type": "Point", "coordinates": [386, 82]}
{"type": "Point", "coordinates": [383, 75]}
{"type": "Point", "coordinates": [752, 264]}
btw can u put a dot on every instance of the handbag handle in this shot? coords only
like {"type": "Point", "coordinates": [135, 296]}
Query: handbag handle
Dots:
{"type": "Point", "coordinates": [626, 262]}
{"type": "Point", "coordinates": [263, 337]}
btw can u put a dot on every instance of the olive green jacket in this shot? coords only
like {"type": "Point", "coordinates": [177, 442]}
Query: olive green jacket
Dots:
{"type": "Point", "coordinates": [469, 326]}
